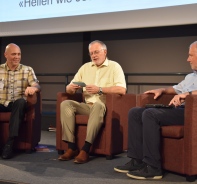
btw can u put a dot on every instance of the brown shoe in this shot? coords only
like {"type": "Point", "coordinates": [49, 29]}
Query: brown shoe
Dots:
{"type": "Point", "coordinates": [82, 158]}
{"type": "Point", "coordinates": [70, 154]}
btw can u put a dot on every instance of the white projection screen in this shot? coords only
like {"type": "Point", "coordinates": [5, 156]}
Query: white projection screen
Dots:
{"type": "Point", "coordinates": [31, 17]}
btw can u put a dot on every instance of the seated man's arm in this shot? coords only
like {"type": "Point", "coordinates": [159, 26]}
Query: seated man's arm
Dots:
{"type": "Point", "coordinates": [93, 89]}
{"type": "Point", "coordinates": [32, 89]}
{"type": "Point", "coordinates": [72, 88]}
{"type": "Point", "coordinates": [114, 89]}
{"type": "Point", "coordinates": [158, 92]}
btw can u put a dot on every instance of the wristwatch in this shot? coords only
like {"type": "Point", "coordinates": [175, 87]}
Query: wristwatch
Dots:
{"type": "Point", "coordinates": [100, 92]}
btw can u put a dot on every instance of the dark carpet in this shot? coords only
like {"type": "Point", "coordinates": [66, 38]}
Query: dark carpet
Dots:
{"type": "Point", "coordinates": [43, 167]}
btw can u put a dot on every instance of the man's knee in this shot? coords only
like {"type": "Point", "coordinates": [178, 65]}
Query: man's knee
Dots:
{"type": "Point", "coordinates": [150, 113]}
{"type": "Point", "coordinates": [20, 102]}
{"type": "Point", "coordinates": [68, 109]}
{"type": "Point", "coordinates": [135, 111]}
{"type": "Point", "coordinates": [65, 104]}
{"type": "Point", "coordinates": [99, 107]}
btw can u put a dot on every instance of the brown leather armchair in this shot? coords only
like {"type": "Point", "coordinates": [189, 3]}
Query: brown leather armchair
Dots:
{"type": "Point", "coordinates": [179, 143]}
{"type": "Point", "coordinates": [113, 136]}
{"type": "Point", "coordinates": [30, 130]}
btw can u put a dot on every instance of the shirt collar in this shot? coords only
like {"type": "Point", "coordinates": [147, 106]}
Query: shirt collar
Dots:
{"type": "Point", "coordinates": [8, 69]}
{"type": "Point", "coordinates": [195, 72]}
{"type": "Point", "coordinates": [105, 63]}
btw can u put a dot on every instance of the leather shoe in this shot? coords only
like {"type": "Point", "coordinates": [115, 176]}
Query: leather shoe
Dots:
{"type": "Point", "coordinates": [82, 158]}
{"type": "Point", "coordinates": [7, 151]}
{"type": "Point", "coordinates": [70, 154]}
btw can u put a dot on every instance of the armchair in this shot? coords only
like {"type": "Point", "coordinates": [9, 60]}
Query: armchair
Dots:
{"type": "Point", "coordinates": [179, 143]}
{"type": "Point", "coordinates": [113, 136]}
{"type": "Point", "coordinates": [30, 130]}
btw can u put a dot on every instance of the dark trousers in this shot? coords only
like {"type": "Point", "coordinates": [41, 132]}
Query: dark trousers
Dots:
{"type": "Point", "coordinates": [17, 109]}
{"type": "Point", "coordinates": [144, 127]}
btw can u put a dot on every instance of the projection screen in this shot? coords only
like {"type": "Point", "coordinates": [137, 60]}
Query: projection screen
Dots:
{"type": "Point", "coordinates": [30, 17]}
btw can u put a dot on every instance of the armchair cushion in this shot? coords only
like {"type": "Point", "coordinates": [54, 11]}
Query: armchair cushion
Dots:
{"type": "Point", "coordinates": [176, 131]}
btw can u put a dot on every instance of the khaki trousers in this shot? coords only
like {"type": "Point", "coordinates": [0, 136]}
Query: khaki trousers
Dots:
{"type": "Point", "coordinates": [68, 110]}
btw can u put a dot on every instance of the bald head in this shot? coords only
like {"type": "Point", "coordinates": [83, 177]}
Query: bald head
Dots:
{"type": "Point", "coordinates": [12, 55]}
{"type": "Point", "coordinates": [11, 46]}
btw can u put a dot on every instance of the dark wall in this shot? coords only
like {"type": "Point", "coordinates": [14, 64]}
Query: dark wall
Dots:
{"type": "Point", "coordinates": [44, 51]}
{"type": "Point", "coordinates": [159, 49]}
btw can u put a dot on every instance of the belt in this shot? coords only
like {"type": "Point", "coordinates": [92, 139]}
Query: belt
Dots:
{"type": "Point", "coordinates": [90, 103]}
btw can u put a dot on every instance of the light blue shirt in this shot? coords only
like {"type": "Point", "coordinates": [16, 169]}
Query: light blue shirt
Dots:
{"type": "Point", "coordinates": [188, 84]}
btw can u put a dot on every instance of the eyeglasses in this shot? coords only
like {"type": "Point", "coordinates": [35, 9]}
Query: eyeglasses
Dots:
{"type": "Point", "coordinates": [96, 52]}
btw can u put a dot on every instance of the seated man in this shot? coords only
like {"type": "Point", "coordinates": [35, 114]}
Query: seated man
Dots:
{"type": "Point", "coordinates": [101, 76]}
{"type": "Point", "coordinates": [16, 82]}
{"type": "Point", "coordinates": [144, 126]}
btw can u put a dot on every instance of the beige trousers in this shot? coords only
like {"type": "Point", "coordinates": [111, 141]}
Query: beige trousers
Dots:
{"type": "Point", "coordinates": [69, 108]}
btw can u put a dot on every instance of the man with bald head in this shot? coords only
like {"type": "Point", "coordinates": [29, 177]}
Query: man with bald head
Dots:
{"type": "Point", "coordinates": [17, 81]}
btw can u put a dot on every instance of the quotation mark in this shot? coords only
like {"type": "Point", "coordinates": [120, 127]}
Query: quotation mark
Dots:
{"type": "Point", "coordinates": [21, 4]}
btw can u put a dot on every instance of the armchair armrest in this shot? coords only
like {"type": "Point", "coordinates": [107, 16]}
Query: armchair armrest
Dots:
{"type": "Point", "coordinates": [190, 133]}
{"type": "Point", "coordinates": [32, 99]}
{"type": "Point", "coordinates": [34, 106]}
{"type": "Point", "coordinates": [117, 115]}
{"type": "Point", "coordinates": [143, 99]}
{"type": "Point", "coordinates": [119, 104]}
{"type": "Point", "coordinates": [61, 96]}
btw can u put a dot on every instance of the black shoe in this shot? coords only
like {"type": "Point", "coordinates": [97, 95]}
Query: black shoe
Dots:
{"type": "Point", "coordinates": [147, 172]}
{"type": "Point", "coordinates": [130, 166]}
{"type": "Point", "coordinates": [7, 151]}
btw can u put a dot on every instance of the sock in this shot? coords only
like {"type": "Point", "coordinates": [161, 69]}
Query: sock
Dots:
{"type": "Point", "coordinates": [87, 147]}
{"type": "Point", "coordinates": [72, 146]}
{"type": "Point", "coordinates": [10, 141]}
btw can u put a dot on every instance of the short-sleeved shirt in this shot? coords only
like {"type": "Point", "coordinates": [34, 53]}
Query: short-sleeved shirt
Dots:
{"type": "Point", "coordinates": [14, 83]}
{"type": "Point", "coordinates": [188, 84]}
{"type": "Point", "coordinates": [109, 74]}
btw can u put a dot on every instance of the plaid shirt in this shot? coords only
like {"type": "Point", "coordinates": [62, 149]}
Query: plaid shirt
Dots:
{"type": "Point", "coordinates": [14, 83]}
